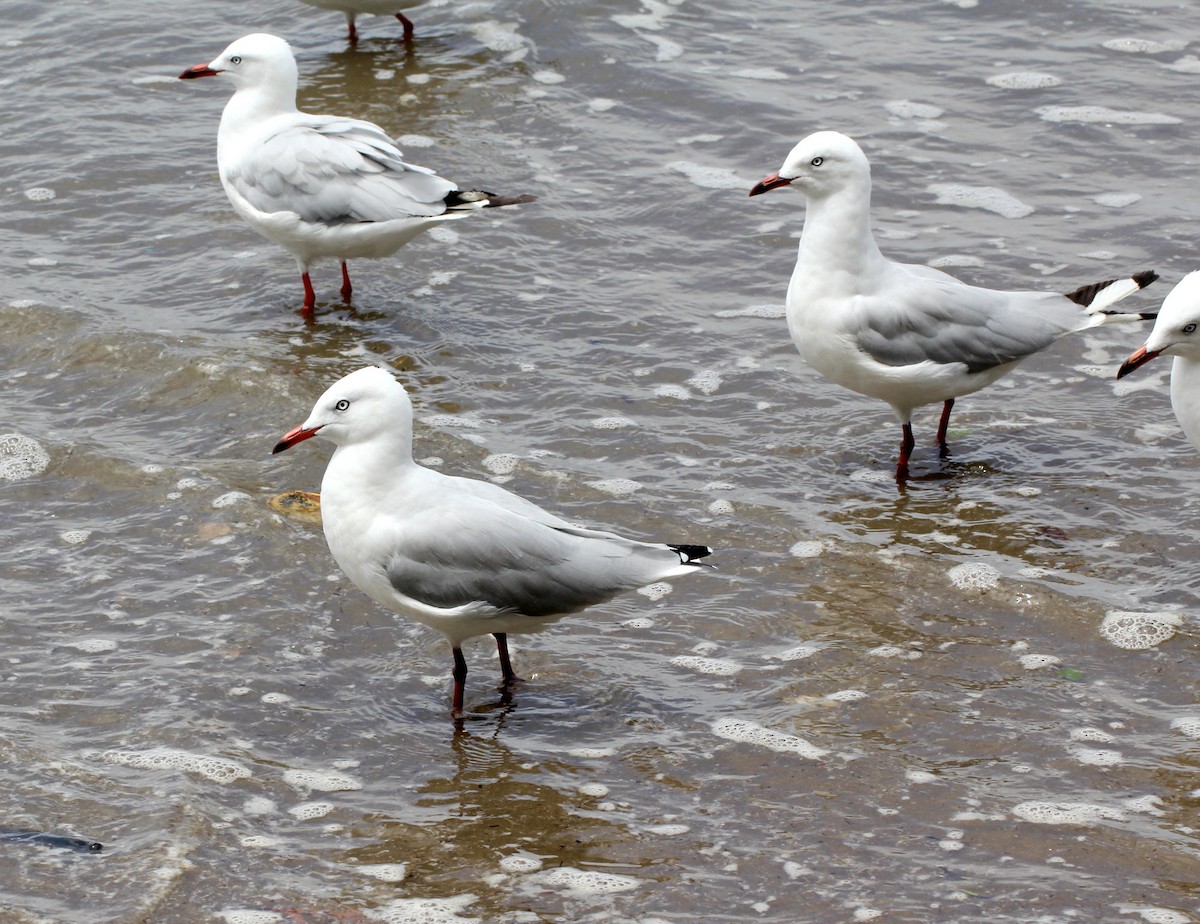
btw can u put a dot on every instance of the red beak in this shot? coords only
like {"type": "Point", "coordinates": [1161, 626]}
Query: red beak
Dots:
{"type": "Point", "coordinates": [292, 437]}
{"type": "Point", "coordinates": [198, 70]}
{"type": "Point", "coordinates": [774, 181]}
{"type": "Point", "coordinates": [1139, 358]}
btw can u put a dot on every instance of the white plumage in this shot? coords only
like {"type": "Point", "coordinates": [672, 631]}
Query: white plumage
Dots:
{"type": "Point", "coordinates": [319, 186]}
{"type": "Point", "coordinates": [907, 334]}
{"type": "Point", "coordinates": [464, 557]}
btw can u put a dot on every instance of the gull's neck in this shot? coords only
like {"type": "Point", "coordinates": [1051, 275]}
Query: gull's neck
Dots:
{"type": "Point", "coordinates": [364, 473]}
{"type": "Point", "coordinates": [252, 105]}
{"type": "Point", "coordinates": [837, 234]}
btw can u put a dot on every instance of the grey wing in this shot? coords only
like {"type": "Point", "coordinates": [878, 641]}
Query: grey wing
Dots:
{"type": "Point", "coordinates": [482, 553]}
{"type": "Point", "coordinates": [337, 171]}
{"type": "Point", "coordinates": [936, 318]}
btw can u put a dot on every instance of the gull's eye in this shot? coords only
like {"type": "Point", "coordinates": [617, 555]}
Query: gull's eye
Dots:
{"type": "Point", "coordinates": [236, 59]}
{"type": "Point", "coordinates": [1189, 328]}
{"type": "Point", "coordinates": [817, 161]}
{"type": "Point", "coordinates": [341, 405]}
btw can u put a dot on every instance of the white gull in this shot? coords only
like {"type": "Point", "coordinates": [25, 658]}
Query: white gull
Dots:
{"type": "Point", "coordinates": [464, 557]}
{"type": "Point", "coordinates": [319, 186]}
{"type": "Point", "coordinates": [1177, 333]}
{"type": "Point", "coordinates": [907, 334]}
{"type": "Point", "coordinates": [353, 8]}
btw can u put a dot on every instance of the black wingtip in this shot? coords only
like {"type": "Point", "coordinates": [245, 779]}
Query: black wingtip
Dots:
{"type": "Point", "coordinates": [690, 553]}
{"type": "Point", "coordinates": [1144, 279]}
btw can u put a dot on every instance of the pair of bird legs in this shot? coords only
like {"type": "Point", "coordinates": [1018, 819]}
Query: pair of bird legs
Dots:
{"type": "Point", "coordinates": [310, 295]}
{"type": "Point", "coordinates": [907, 444]}
{"type": "Point", "coordinates": [460, 673]}
{"type": "Point", "coordinates": [404, 21]}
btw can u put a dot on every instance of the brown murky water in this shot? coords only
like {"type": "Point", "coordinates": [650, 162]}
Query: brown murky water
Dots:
{"type": "Point", "coordinates": [903, 706]}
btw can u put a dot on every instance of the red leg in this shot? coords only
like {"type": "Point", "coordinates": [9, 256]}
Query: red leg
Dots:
{"type": "Point", "coordinates": [945, 422]}
{"type": "Point", "coordinates": [346, 287]}
{"type": "Point", "coordinates": [460, 676]}
{"type": "Point", "coordinates": [506, 670]}
{"type": "Point", "coordinates": [408, 27]}
{"type": "Point", "coordinates": [906, 448]}
{"type": "Point", "coordinates": [310, 297]}
{"type": "Point", "coordinates": [353, 33]}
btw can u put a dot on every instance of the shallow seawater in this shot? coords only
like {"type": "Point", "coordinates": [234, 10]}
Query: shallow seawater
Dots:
{"type": "Point", "coordinates": [971, 700]}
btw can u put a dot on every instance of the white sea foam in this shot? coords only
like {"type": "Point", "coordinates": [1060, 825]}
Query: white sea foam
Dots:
{"type": "Point", "coordinates": [384, 872]}
{"type": "Point", "coordinates": [1033, 662]}
{"type": "Point", "coordinates": [1117, 200]}
{"type": "Point", "coordinates": [1187, 725]}
{"type": "Point", "coordinates": [93, 645]}
{"type": "Point", "coordinates": [706, 381]}
{"type": "Point", "coordinates": [520, 864]}
{"type": "Point", "coordinates": [1138, 631]}
{"type": "Point", "coordinates": [974, 575]}
{"type": "Point", "coordinates": [75, 536]}
{"type": "Point", "coordinates": [21, 457]}
{"type": "Point", "coordinates": [655, 591]}
{"type": "Point", "coordinates": [580, 883]}
{"type": "Point", "coordinates": [1137, 46]}
{"type": "Point", "coordinates": [618, 487]}
{"type": "Point", "coordinates": [501, 463]}
{"type": "Point", "coordinates": [425, 911]}
{"type": "Point", "coordinates": [230, 498]}
{"type": "Point", "coordinates": [801, 651]}
{"type": "Point", "coordinates": [846, 696]}
{"type": "Point", "coordinates": [307, 811]}
{"type": "Point", "coordinates": [1152, 914]}
{"type": "Point", "coordinates": [754, 311]}
{"type": "Point", "coordinates": [1098, 735]}
{"type": "Point", "coordinates": [502, 37]}
{"type": "Point", "coordinates": [320, 781]}
{"type": "Point", "coordinates": [1097, 757]}
{"type": "Point", "coordinates": [249, 916]}
{"type": "Point", "coordinates": [746, 732]}
{"type": "Point", "coordinates": [217, 769]}
{"type": "Point", "coordinates": [1065, 813]}
{"type": "Point", "coordinates": [906, 109]}
{"type": "Point", "coordinates": [989, 198]}
{"type": "Point", "coordinates": [1104, 115]}
{"type": "Point", "coordinates": [40, 194]}
{"type": "Point", "coordinates": [708, 177]}
{"type": "Point", "coordinates": [807, 548]}
{"type": "Point", "coordinates": [721, 667]}
{"type": "Point", "coordinates": [1024, 80]}
{"type": "Point", "coordinates": [613, 423]}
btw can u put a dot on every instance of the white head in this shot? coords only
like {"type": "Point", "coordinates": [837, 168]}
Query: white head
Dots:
{"type": "Point", "coordinates": [253, 60]}
{"type": "Point", "coordinates": [820, 165]}
{"type": "Point", "coordinates": [1177, 330]}
{"type": "Point", "coordinates": [362, 407]}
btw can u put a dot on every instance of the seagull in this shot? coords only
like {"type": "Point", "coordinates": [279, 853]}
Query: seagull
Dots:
{"type": "Point", "coordinates": [908, 334]}
{"type": "Point", "coordinates": [464, 557]}
{"type": "Point", "coordinates": [1175, 333]}
{"type": "Point", "coordinates": [320, 186]}
{"type": "Point", "coordinates": [352, 9]}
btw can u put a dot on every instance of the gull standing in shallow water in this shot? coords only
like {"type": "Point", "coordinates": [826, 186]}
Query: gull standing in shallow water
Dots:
{"type": "Point", "coordinates": [907, 334]}
{"type": "Point", "coordinates": [352, 9]}
{"type": "Point", "coordinates": [1177, 333]}
{"type": "Point", "coordinates": [319, 186]}
{"type": "Point", "coordinates": [464, 557]}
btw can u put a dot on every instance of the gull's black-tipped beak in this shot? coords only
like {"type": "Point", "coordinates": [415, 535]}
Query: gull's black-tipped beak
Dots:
{"type": "Point", "coordinates": [292, 437]}
{"type": "Point", "coordinates": [774, 181]}
{"type": "Point", "coordinates": [198, 70]}
{"type": "Point", "coordinates": [1139, 358]}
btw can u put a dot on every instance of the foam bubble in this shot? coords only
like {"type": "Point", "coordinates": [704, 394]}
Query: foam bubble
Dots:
{"type": "Point", "coordinates": [721, 667]}
{"type": "Point", "coordinates": [807, 548]}
{"type": "Point", "coordinates": [275, 699]}
{"type": "Point", "coordinates": [425, 911]}
{"type": "Point", "coordinates": [519, 864]}
{"type": "Point", "coordinates": [668, 830]}
{"type": "Point", "coordinates": [592, 753]}
{"type": "Point", "coordinates": [920, 776]}
{"type": "Point", "coordinates": [1138, 631]}
{"type": "Point", "coordinates": [501, 463]}
{"type": "Point", "coordinates": [1065, 813]}
{"type": "Point", "coordinates": [893, 651]}
{"type": "Point", "coordinates": [1188, 64]}
{"type": "Point", "coordinates": [672, 391]}
{"type": "Point", "coordinates": [230, 498]}
{"type": "Point", "coordinates": [906, 109]}
{"type": "Point", "coordinates": [974, 575]}
{"type": "Point", "coordinates": [800, 652]}
{"type": "Point", "coordinates": [1024, 80]}
{"type": "Point", "coordinates": [706, 381]}
{"type": "Point", "coordinates": [40, 194]}
{"type": "Point", "coordinates": [601, 104]}
{"type": "Point", "coordinates": [249, 916]}
{"type": "Point", "coordinates": [745, 732]}
{"type": "Point", "coordinates": [1090, 114]}
{"type": "Point", "coordinates": [75, 536]}
{"type": "Point", "coordinates": [720, 507]}
{"type": "Point", "coordinates": [1117, 200]}
{"type": "Point", "coordinates": [1187, 725]}
{"type": "Point", "coordinates": [259, 805]}
{"type": "Point", "coordinates": [1097, 757]}
{"type": "Point", "coordinates": [1136, 46]}
{"type": "Point", "coordinates": [759, 73]}
{"type": "Point", "coordinates": [502, 37]}
{"type": "Point", "coordinates": [307, 780]}
{"type": "Point", "coordinates": [580, 883]}
{"type": "Point", "coordinates": [1033, 662]}
{"type": "Point", "coordinates": [1155, 915]}
{"type": "Point", "coordinates": [613, 423]}
{"type": "Point", "coordinates": [754, 311]}
{"type": "Point", "coordinates": [595, 790]}
{"type": "Point", "coordinates": [655, 591]}
{"type": "Point", "coordinates": [384, 872]}
{"type": "Point", "coordinates": [306, 811]}
{"type": "Point", "coordinates": [548, 77]}
{"type": "Point", "coordinates": [846, 696]}
{"type": "Point", "coordinates": [93, 645]}
{"type": "Point", "coordinates": [1091, 734]}
{"type": "Point", "coordinates": [708, 177]}
{"type": "Point", "coordinates": [988, 198]}
{"type": "Point", "coordinates": [618, 487]}
{"type": "Point", "coordinates": [21, 457]}
{"type": "Point", "coordinates": [218, 769]}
